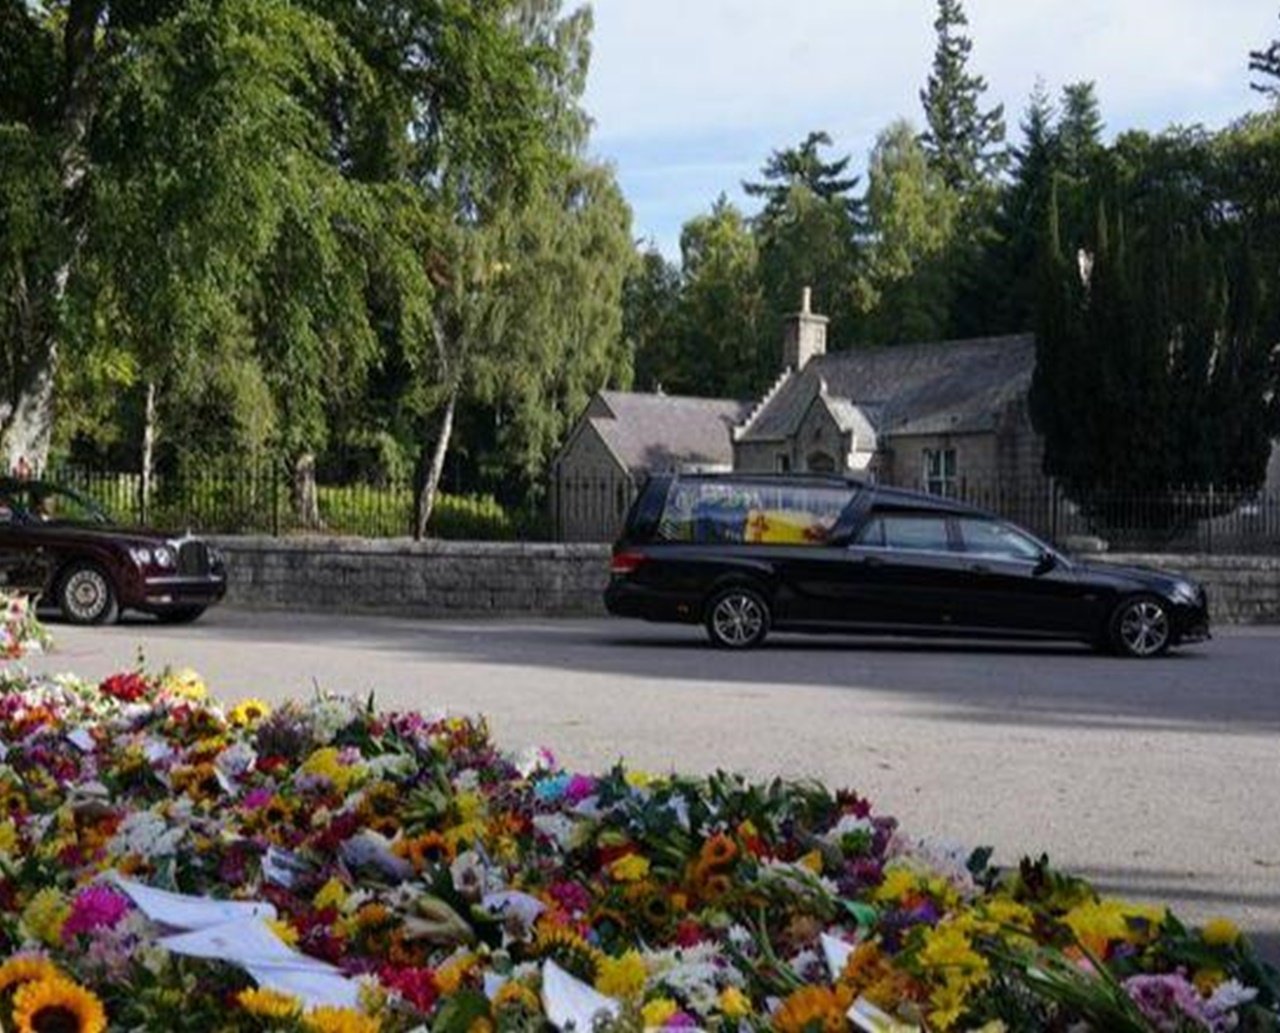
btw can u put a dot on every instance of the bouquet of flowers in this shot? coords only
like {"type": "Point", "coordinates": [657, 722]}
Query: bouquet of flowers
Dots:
{"type": "Point", "coordinates": [20, 632]}
{"type": "Point", "coordinates": [170, 863]}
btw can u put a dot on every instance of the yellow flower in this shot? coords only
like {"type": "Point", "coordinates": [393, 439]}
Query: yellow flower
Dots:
{"type": "Point", "coordinates": [24, 968]}
{"type": "Point", "coordinates": [1096, 924]}
{"type": "Point", "coordinates": [450, 975]}
{"type": "Point", "coordinates": [898, 882]}
{"type": "Point", "coordinates": [734, 1004]}
{"type": "Point", "coordinates": [1207, 980]}
{"type": "Point", "coordinates": [658, 1011]}
{"type": "Point", "coordinates": [946, 947]}
{"type": "Point", "coordinates": [948, 1002]}
{"type": "Point", "coordinates": [186, 684]}
{"type": "Point", "coordinates": [44, 916]}
{"type": "Point", "coordinates": [639, 779]}
{"type": "Point", "coordinates": [339, 1020]}
{"type": "Point", "coordinates": [622, 977]}
{"type": "Point", "coordinates": [8, 837]}
{"type": "Point", "coordinates": [284, 930]}
{"type": "Point", "coordinates": [1220, 932]}
{"type": "Point", "coordinates": [631, 868]}
{"type": "Point", "coordinates": [331, 895]}
{"type": "Point", "coordinates": [814, 1008]}
{"type": "Point", "coordinates": [326, 763]}
{"type": "Point", "coordinates": [516, 995]}
{"type": "Point", "coordinates": [248, 712]}
{"type": "Point", "coordinates": [469, 806]}
{"type": "Point", "coordinates": [269, 1004]}
{"type": "Point", "coordinates": [813, 861]}
{"type": "Point", "coordinates": [57, 1004]}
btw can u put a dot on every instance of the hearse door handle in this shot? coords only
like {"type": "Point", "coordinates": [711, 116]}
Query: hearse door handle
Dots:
{"type": "Point", "coordinates": [979, 568]}
{"type": "Point", "coordinates": [871, 561]}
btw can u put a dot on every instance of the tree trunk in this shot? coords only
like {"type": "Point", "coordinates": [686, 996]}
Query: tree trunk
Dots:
{"type": "Point", "coordinates": [435, 468]}
{"type": "Point", "coordinates": [306, 502]}
{"type": "Point", "coordinates": [148, 453]}
{"type": "Point", "coordinates": [28, 426]}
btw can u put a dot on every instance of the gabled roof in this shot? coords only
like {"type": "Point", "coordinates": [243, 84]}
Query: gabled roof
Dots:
{"type": "Point", "coordinates": [955, 387]}
{"type": "Point", "coordinates": [663, 432]}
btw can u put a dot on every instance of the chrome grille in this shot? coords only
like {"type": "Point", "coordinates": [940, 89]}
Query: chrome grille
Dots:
{"type": "Point", "coordinates": [193, 559]}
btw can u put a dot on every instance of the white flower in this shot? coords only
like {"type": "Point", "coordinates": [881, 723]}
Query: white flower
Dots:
{"type": "Point", "coordinates": [1230, 995]}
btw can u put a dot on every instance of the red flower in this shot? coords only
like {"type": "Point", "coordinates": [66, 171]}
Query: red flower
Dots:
{"type": "Point", "coordinates": [128, 687]}
{"type": "Point", "coordinates": [415, 985]}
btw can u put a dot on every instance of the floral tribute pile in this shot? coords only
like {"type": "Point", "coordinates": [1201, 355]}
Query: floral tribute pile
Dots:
{"type": "Point", "coordinates": [170, 864]}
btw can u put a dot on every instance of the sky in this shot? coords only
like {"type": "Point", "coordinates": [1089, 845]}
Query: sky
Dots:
{"type": "Point", "coordinates": [689, 97]}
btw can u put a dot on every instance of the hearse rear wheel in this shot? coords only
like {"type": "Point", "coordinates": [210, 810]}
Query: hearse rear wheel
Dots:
{"type": "Point", "coordinates": [738, 618]}
{"type": "Point", "coordinates": [87, 596]}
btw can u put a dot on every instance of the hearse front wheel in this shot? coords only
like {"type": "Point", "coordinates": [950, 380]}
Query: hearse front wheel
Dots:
{"type": "Point", "coordinates": [738, 618]}
{"type": "Point", "coordinates": [1140, 627]}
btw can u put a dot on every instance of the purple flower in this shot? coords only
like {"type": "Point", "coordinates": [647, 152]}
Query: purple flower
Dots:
{"type": "Point", "coordinates": [95, 907]}
{"type": "Point", "coordinates": [1170, 1003]}
{"type": "Point", "coordinates": [257, 798]}
{"type": "Point", "coordinates": [579, 788]}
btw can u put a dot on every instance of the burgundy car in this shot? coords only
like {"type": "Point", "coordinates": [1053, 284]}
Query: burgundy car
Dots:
{"type": "Point", "coordinates": [93, 569]}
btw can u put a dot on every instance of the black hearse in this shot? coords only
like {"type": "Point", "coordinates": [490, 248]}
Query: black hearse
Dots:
{"type": "Point", "coordinates": [744, 554]}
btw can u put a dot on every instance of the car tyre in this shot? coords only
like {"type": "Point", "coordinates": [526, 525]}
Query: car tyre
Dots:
{"type": "Point", "coordinates": [86, 595]}
{"type": "Point", "coordinates": [738, 618]}
{"type": "Point", "coordinates": [181, 614]}
{"type": "Point", "coordinates": [1141, 627]}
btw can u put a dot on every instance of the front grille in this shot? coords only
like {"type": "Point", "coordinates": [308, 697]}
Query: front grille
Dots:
{"type": "Point", "coordinates": [193, 559]}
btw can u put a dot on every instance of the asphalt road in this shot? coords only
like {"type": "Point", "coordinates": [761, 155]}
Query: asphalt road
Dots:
{"type": "Point", "coordinates": [1157, 779]}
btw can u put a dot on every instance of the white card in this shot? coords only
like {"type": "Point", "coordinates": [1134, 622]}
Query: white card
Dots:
{"type": "Point", "coordinates": [180, 911]}
{"type": "Point", "coordinates": [837, 954]}
{"type": "Point", "coordinates": [570, 1003]}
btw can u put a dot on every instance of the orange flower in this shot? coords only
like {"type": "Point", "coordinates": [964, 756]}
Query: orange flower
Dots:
{"type": "Point", "coordinates": [718, 851]}
{"type": "Point", "coordinates": [814, 1008]}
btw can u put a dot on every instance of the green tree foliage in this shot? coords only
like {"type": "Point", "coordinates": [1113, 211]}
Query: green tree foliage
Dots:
{"type": "Point", "coordinates": [1155, 340]}
{"type": "Point", "coordinates": [726, 349]}
{"type": "Point", "coordinates": [807, 234]}
{"type": "Point", "coordinates": [964, 142]}
{"type": "Point", "coordinates": [1080, 128]}
{"type": "Point", "coordinates": [650, 315]}
{"type": "Point", "coordinates": [911, 213]}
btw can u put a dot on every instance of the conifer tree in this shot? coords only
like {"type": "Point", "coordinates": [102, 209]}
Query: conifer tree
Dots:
{"type": "Point", "coordinates": [964, 142]}
{"type": "Point", "coordinates": [1080, 128]}
{"type": "Point", "coordinates": [1266, 62]}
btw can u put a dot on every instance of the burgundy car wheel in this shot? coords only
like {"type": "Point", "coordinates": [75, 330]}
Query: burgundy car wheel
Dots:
{"type": "Point", "coordinates": [87, 596]}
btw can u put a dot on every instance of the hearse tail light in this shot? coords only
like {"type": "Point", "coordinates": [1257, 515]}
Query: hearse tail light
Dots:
{"type": "Point", "coordinates": [626, 562]}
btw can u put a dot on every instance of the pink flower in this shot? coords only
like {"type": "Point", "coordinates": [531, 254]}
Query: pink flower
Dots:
{"type": "Point", "coordinates": [95, 907]}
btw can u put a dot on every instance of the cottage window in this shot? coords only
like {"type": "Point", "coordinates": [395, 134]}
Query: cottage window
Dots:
{"type": "Point", "coordinates": [782, 463]}
{"type": "Point", "coordinates": [940, 471]}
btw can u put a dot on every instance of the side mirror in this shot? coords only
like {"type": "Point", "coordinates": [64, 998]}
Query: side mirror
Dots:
{"type": "Point", "coordinates": [1045, 563]}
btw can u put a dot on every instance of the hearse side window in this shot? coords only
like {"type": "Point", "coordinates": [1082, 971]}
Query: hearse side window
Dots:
{"type": "Point", "coordinates": [995, 539]}
{"type": "Point", "coordinates": [912, 532]}
{"type": "Point", "coordinates": [752, 513]}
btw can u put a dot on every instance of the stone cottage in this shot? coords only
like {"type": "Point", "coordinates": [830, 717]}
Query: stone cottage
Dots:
{"type": "Point", "coordinates": [949, 417]}
{"type": "Point", "coordinates": [621, 438]}
{"type": "Point", "coordinates": [946, 417]}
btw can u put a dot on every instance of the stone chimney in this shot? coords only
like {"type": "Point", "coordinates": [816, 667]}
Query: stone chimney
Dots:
{"type": "Point", "coordinates": [804, 335]}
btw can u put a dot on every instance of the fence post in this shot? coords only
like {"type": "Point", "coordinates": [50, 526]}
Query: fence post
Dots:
{"type": "Point", "coordinates": [1208, 524]}
{"type": "Point", "coordinates": [1053, 511]}
{"type": "Point", "coordinates": [275, 499]}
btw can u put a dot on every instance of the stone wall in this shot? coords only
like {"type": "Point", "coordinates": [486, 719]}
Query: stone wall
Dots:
{"type": "Point", "coordinates": [429, 579]}
{"type": "Point", "coordinates": [1242, 589]}
{"type": "Point", "coordinates": [478, 578]}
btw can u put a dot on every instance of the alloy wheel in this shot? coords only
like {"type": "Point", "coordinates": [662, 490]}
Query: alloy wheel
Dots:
{"type": "Point", "coordinates": [1144, 628]}
{"type": "Point", "coordinates": [739, 619]}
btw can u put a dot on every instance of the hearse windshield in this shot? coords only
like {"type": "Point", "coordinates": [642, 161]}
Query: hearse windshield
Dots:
{"type": "Point", "coordinates": [752, 512]}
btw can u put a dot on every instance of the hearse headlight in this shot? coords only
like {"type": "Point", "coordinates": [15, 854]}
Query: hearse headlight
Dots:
{"type": "Point", "coordinates": [163, 556]}
{"type": "Point", "coordinates": [1184, 592]}
{"type": "Point", "coordinates": [141, 555]}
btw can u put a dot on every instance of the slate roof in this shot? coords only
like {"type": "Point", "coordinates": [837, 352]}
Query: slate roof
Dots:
{"type": "Point", "coordinates": [663, 432]}
{"type": "Point", "coordinates": [947, 387]}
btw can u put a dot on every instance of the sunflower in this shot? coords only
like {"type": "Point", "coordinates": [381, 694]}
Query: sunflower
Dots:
{"type": "Point", "coordinates": [814, 1008]}
{"type": "Point", "coordinates": [24, 968]}
{"type": "Point", "coordinates": [340, 1020]}
{"type": "Point", "coordinates": [248, 712]}
{"type": "Point", "coordinates": [269, 1004]}
{"type": "Point", "coordinates": [57, 1006]}
{"type": "Point", "coordinates": [568, 949]}
{"type": "Point", "coordinates": [718, 851]}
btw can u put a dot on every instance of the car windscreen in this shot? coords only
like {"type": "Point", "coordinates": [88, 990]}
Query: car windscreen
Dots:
{"type": "Point", "coordinates": [752, 513]}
